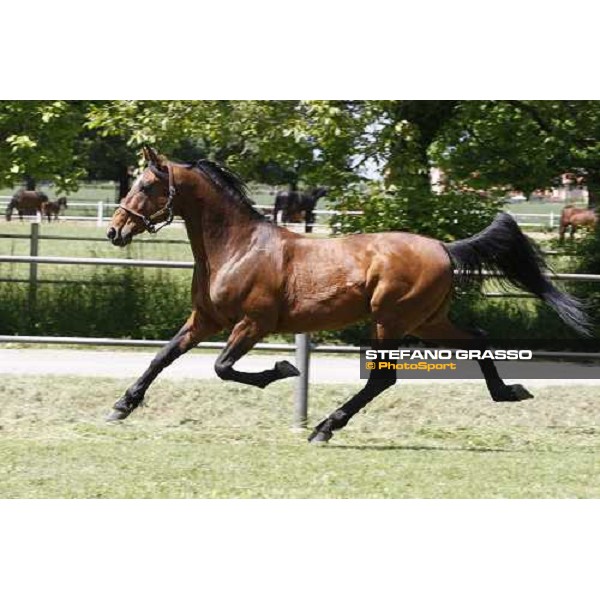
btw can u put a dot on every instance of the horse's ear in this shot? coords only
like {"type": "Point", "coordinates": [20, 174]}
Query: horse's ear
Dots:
{"type": "Point", "coordinates": [150, 154]}
{"type": "Point", "coordinates": [152, 157]}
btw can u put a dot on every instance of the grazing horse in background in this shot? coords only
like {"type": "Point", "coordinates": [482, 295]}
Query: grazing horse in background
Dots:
{"type": "Point", "coordinates": [253, 278]}
{"type": "Point", "coordinates": [51, 208]}
{"type": "Point", "coordinates": [293, 203]}
{"type": "Point", "coordinates": [573, 217]}
{"type": "Point", "coordinates": [26, 202]}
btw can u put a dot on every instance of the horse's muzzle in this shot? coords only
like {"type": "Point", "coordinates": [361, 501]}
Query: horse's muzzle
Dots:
{"type": "Point", "coordinates": [116, 237]}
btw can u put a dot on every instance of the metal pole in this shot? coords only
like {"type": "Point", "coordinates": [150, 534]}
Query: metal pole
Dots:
{"type": "Point", "coordinates": [301, 389]}
{"type": "Point", "coordinates": [100, 214]}
{"type": "Point", "coordinates": [33, 269]}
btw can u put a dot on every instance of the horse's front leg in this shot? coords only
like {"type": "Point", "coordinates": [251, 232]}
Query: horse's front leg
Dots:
{"type": "Point", "coordinates": [243, 337]}
{"type": "Point", "coordinates": [194, 330]}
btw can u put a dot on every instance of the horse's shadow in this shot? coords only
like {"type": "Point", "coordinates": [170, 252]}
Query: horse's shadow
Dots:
{"type": "Point", "coordinates": [416, 448]}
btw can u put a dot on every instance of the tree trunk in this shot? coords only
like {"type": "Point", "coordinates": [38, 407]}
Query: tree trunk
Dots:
{"type": "Point", "coordinates": [29, 183]}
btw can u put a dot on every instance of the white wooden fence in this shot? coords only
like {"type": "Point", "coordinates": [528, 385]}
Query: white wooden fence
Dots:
{"type": "Point", "coordinates": [103, 213]}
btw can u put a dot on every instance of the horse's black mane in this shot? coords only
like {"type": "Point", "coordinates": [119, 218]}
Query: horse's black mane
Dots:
{"type": "Point", "coordinates": [230, 182]}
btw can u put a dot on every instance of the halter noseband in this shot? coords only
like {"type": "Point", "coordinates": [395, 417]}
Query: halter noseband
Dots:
{"type": "Point", "coordinates": [151, 221]}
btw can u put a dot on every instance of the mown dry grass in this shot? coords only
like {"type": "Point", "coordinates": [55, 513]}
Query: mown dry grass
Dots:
{"type": "Point", "coordinates": [216, 440]}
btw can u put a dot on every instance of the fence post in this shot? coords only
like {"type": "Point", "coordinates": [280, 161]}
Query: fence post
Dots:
{"type": "Point", "coordinates": [100, 218]}
{"type": "Point", "coordinates": [301, 389]}
{"type": "Point", "coordinates": [551, 219]}
{"type": "Point", "coordinates": [34, 241]}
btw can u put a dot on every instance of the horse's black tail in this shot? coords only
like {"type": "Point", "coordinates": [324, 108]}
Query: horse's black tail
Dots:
{"type": "Point", "coordinates": [503, 250]}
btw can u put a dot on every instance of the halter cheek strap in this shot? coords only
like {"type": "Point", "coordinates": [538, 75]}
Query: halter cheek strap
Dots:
{"type": "Point", "coordinates": [151, 221]}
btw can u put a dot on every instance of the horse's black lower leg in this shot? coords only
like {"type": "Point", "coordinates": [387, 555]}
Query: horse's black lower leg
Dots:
{"type": "Point", "coordinates": [500, 391]}
{"type": "Point", "coordinates": [242, 339]}
{"type": "Point", "coordinates": [446, 333]}
{"type": "Point", "coordinates": [339, 418]}
{"type": "Point", "coordinates": [185, 339]}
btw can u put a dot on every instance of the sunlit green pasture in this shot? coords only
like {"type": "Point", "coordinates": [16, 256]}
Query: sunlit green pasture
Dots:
{"type": "Point", "coordinates": [215, 440]}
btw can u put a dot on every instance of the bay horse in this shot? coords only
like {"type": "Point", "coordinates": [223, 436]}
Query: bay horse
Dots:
{"type": "Point", "coordinates": [573, 217]}
{"type": "Point", "coordinates": [253, 278]}
{"type": "Point", "coordinates": [294, 204]}
{"type": "Point", "coordinates": [52, 208]}
{"type": "Point", "coordinates": [26, 202]}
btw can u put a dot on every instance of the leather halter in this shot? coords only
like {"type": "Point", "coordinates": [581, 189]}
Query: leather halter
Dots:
{"type": "Point", "coordinates": [151, 221]}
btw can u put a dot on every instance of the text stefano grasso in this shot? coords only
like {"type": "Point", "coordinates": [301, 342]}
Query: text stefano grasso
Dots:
{"type": "Point", "coordinates": [437, 354]}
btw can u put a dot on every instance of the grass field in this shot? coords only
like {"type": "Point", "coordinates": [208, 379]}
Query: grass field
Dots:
{"type": "Point", "coordinates": [217, 440]}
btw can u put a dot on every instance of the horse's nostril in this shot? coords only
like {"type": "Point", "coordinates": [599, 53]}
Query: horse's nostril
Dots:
{"type": "Point", "coordinates": [111, 233]}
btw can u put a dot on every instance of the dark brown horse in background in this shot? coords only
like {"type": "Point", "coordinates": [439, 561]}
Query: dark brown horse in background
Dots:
{"type": "Point", "coordinates": [573, 217]}
{"type": "Point", "coordinates": [253, 278]}
{"type": "Point", "coordinates": [296, 206]}
{"type": "Point", "coordinates": [26, 202]}
{"type": "Point", "coordinates": [52, 208]}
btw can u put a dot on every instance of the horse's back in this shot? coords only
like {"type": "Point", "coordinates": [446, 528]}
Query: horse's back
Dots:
{"type": "Point", "coordinates": [362, 250]}
{"type": "Point", "coordinates": [577, 215]}
{"type": "Point", "coordinates": [344, 279]}
{"type": "Point", "coordinates": [26, 200]}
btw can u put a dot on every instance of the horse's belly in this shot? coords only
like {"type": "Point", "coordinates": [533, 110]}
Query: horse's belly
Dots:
{"type": "Point", "coordinates": [325, 308]}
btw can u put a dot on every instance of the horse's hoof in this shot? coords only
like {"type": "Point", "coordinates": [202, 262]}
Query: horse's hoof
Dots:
{"type": "Point", "coordinates": [117, 415]}
{"type": "Point", "coordinates": [286, 369]}
{"type": "Point", "coordinates": [320, 437]}
{"type": "Point", "coordinates": [512, 393]}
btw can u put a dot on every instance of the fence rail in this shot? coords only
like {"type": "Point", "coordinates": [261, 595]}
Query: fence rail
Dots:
{"type": "Point", "coordinates": [548, 220]}
{"type": "Point", "coordinates": [101, 217]}
{"type": "Point", "coordinates": [126, 262]}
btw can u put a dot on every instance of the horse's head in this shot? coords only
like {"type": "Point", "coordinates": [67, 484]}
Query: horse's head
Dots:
{"type": "Point", "coordinates": [62, 201]}
{"type": "Point", "coordinates": [150, 201]}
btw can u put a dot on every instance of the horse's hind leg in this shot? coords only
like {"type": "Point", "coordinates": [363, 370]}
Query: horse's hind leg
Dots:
{"type": "Point", "coordinates": [194, 330]}
{"type": "Point", "coordinates": [376, 384]}
{"type": "Point", "coordinates": [446, 331]}
{"type": "Point", "coordinates": [243, 337]}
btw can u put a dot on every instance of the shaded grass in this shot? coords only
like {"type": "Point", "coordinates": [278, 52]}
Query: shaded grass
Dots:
{"type": "Point", "coordinates": [211, 439]}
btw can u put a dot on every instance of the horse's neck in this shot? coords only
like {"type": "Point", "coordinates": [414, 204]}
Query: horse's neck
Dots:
{"type": "Point", "coordinates": [218, 231]}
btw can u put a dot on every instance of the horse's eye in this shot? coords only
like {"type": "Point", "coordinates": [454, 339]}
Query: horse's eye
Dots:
{"type": "Point", "coordinates": [146, 188]}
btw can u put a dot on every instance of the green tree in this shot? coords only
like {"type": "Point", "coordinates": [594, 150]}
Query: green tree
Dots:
{"type": "Point", "coordinates": [520, 144]}
{"type": "Point", "coordinates": [39, 140]}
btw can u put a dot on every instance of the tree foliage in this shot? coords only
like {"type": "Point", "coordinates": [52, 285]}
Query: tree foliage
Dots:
{"type": "Point", "coordinates": [39, 140]}
{"type": "Point", "coordinates": [479, 145]}
{"type": "Point", "coordinates": [523, 145]}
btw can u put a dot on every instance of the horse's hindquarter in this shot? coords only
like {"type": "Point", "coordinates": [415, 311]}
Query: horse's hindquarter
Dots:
{"type": "Point", "coordinates": [29, 202]}
{"type": "Point", "coordinates": [335, 282]}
